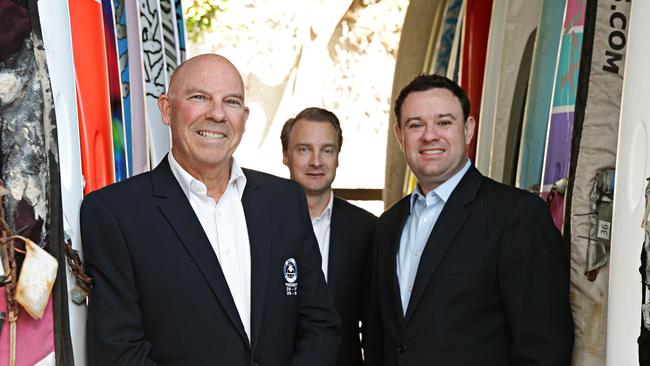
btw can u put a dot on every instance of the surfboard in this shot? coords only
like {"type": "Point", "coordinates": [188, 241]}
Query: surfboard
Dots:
{"type": "Point", "coordinates": [93, 98]}
{"type": "Point", "coordinates": [477, 26]}
{"type": "Point", "coordinates": [55, 24]}
{"type": "Point", "coordinates": [123, 53]}
{"type": "Point", "coordinates": [455, 56]}
{"type": "Point", "coordinates": [560, 127]}
{"type": "Point", "coordinates": [538, 102]}
{"type": "Point", "coordinates": [180, 26]}
{"type": "Point", "coordinates": [155, 77]}
{"type": "Point", "coordinates": [30, 173]}
{"type": "Point", "coordinates": [445, 40]}
{"type": "Point", "coordinates": [488, 102]}
{"type": "Point", "coordinates": [170, 35]}
{"type": "Point", "coordinates": [521, 21]}
{"type": "Point", "coordinates": [115, 92]}
{"type": "Point", "coordinates": [632, 169]}
{"type": "Point", "coordinates": [593, 158]}
{"type": "Point", "coordinates": [137, 95]}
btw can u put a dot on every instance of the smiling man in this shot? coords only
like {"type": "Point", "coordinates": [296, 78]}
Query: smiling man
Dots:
{"type": "Point", "coordinates": [311, 143]}
{"type": "Point", "coordinates": [201, 262]}
{"type": "Point", "coordinates": [467, 271]}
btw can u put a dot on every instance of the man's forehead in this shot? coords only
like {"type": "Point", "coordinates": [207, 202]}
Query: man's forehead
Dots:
{"type": "Point", "coordinates": [196, 72]}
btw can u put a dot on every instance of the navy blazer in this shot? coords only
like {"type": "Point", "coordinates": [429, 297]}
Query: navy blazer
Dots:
{"type": "Point", "coordinates": [352, 233]}
{"type": "Point", "coordinates": [160, 297]}
{"type": "Point", "coordinates": [492, 287]}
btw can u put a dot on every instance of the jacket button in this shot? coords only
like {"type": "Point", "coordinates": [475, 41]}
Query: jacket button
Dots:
{"type": "Point", "coordinates": [401, 348]}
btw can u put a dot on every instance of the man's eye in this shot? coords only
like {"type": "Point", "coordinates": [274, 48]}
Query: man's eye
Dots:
{"type": "Point", "coordinates": [329, 150]}
{"type": "Point", "coordinates": [444, 122]}
{"type": "Point", "coordinates": [197, 97]}
{"type": "Point", "coordinates": [302, 149]}
{"type": "Point", "coordinates": [234, 102]}
{"type": "Point", "coordinates": [414, 125]}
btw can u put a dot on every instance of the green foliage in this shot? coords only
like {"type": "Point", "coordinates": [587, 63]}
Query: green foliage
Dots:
{"type": "Point", "coordinates": [199, 16]}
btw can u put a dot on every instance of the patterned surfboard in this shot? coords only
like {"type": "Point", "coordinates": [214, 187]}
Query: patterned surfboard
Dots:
{"type": "Point", "coordinates": [180, 25]}
{"type": "Point", "coordinates": [560, 128]}
{"type": "Point", "coordinates": [538, 103]}
{"type": "Point", "coordinates": [123, 53]}
{"type": "Point", "coordinates": [115, 90]}
{"type": "Point", "coordinates": [155, 77]}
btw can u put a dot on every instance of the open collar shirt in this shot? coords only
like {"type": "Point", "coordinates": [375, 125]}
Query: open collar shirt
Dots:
{"type": "Point", "coordinates": [224, 223]}
{"type": "Point", "coordinates": [321, 225]}
{"type": "Point", "coordinates": [424, 212]}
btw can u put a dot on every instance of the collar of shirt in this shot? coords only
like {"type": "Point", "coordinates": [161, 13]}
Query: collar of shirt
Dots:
{"type": "Point", "coordinates": [443, 191]}
{"type": "Point", "coordinates": [327, 212]}
{"type": "Point", "coordinates": [189, 184]}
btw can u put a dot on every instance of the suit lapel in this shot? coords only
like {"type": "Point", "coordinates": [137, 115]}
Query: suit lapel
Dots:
{"type": "Point", "coordinates": [449, 222]}
{"type": "Point", "coordinates": [395, 235]}
{"type": "Point", "coordinates": [337, 247]}
{"type": "Point", "coordinates": [257, 212]}
{"type": "Point", "coordinates": [175, 206]}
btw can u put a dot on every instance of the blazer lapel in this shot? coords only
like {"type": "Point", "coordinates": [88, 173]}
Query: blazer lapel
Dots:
{"type": "Point", "coordinates": [257, 212]}
{"type": "Point", "coordinates": [175, 206]}
{"type": "Point", "coordinates": [337, 249]}
{"type": "Point", "coordinates": [395, 236]}
{"type": "Point", "coordinates": [449, 222]}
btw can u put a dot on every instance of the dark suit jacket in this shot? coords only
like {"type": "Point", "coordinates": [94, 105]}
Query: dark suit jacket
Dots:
{"type": "Point", "coordinates": [352, 232]}
{"type": "Point", "coordinates": [492, 287]}
{"type": "Point", "coordinates": [160, 297]}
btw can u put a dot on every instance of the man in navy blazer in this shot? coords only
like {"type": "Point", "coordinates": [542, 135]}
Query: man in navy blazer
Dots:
{"type": "Point", "coordinates": [467, 271]}
{"type": "Point", "coordinates": [311, 142]}
{"type": "Point", "coordinates": [201, 262]}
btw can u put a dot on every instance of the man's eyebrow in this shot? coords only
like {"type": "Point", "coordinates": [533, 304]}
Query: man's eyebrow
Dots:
{"type": "Point", "coordinates": [446, 115]}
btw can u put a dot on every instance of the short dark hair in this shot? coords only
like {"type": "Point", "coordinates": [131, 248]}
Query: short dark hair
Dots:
{"type": "Point", "coordinates": [311, 114]}
{"type": "Point", "coordinates": [426, 82]}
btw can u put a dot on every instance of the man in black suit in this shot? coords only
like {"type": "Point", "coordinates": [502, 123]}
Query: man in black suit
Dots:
{"type": "Point", "coordinates": [311, 143]}
{"type": "Point", "coordinates": [467, 271]}
{"type": "Point", "coordinates": [201, 262]}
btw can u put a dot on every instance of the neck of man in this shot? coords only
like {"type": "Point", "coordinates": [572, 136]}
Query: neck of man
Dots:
{"type": "Point", "coordinates": [317, 202]}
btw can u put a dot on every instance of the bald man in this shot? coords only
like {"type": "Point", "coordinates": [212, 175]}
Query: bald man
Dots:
{"type": "Point", "coordinates": [202, 262]}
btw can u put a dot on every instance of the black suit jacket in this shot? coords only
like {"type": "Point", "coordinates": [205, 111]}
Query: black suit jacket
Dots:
{"type": "Point", "coordinates": [352, 232]}
{"type": "Point", "coordinates": [160, 297]}
{"type": "Point", "coordinates": [492, 286]}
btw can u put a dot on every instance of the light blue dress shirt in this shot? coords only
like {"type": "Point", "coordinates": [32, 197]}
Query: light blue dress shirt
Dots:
{"type": "Point", "coordinates": [423, 216]}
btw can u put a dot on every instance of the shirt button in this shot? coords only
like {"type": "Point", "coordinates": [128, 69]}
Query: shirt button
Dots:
{"type": "Point", "coordinates": [401, 348]}
{"type": "Point", "coordinates": [227, 251]}
{"type": "Point", "coordinates": [416, 253]}
{"type": "Point", "coordinates": [425, 219]}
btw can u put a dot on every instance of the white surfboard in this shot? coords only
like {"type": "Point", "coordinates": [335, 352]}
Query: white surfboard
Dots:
{"type": "Point", "coordinates": [55, 26]}
{"type": "Point", "coordinates": [490, 82]}
{"type": "Point", "coordinates": [139, 135]}
{"type": "Point", "coordinates": [632, 169]}
{"type": "Point", "coordinates": [155, 77]}
{"type": "Point", "coordinates": [521, 20]}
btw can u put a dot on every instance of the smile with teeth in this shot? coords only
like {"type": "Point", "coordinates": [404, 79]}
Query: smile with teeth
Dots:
{"type": "Point", "coordinates": [211, 135]}
{"type": "Point", "coordinates": [432, 151]}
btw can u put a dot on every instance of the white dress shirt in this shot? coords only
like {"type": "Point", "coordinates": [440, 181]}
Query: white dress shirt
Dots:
{"type": "Point", "coordinates": [415, 234]}
{"type": "Point", "coordinates": [321, 225]}
{"type": "Point", "coordinates": [224, 224]}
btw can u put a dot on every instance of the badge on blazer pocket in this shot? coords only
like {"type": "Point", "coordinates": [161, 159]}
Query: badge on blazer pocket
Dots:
{"type": "Point", "coordinates": [291, 276]}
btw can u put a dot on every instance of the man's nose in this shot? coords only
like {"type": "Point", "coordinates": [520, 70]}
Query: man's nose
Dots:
{"type": "Point", "coordinates": [315, 159]}
{"type": "Point", "coordinates": [431, 132]}
{"type": "Point", "coordinates": [216, 111]}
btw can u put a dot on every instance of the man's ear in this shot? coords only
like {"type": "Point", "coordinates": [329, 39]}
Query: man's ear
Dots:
{"type": "Point", "coordinates": [285, 158]}
{"type": "Point", "coordinates": [399, 135]}
{"type": "Point", "coordinates": [469, 129]}
{"type": "Point", "coordinates": [164, 104]}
